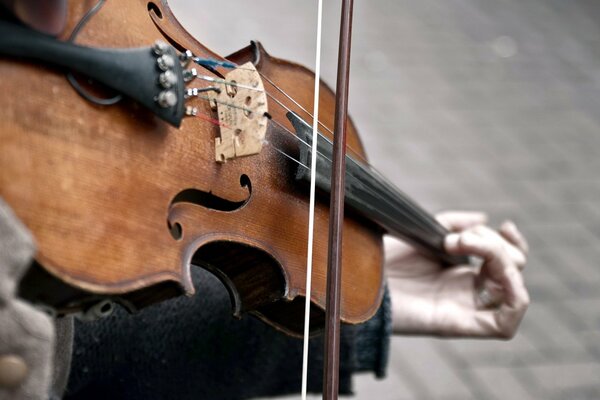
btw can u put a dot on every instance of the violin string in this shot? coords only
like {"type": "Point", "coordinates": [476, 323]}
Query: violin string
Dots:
{"type": "Point", "coordinates": [283, 153]}
{"type": "Point", "coordinates": [211, 63]}
{"type": "Point", "coordinates": [279, 89]}
{"type": "Point", "coordinates": [283, 92]}
{"type": "Point", "coordinates": [304, 143]}
{"type": "Point", "coordinates": [279, 103]}
{"type": "Point", "coordinates": [299, 139]}
{"type": "Point", "coordinates": [226, 64]}
{"type": "Point", "coordinates": [281, 126]}
{"type": "Point", "coordinates": [411, 214]}
{"type": "Point", "coordinates": [365, 167]}
{"type": "Point", "coordinates": [208, 118]}
{"type": "Point", "coordinates": [228, 83]}
{"type": "Point", "coordinates": [250, 110]}
{"type": "Point", "coordinates": [230, 65]}
{"type": "Point", "coordinates": [71, 78]}
{"type": "Point", "coordinates": [290, 98]}
{"type": "Point", "coordinates": [287, 131]}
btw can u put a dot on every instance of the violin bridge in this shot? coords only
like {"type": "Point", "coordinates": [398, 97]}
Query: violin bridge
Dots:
{"type": "Point", "coordinates": [241, 106]}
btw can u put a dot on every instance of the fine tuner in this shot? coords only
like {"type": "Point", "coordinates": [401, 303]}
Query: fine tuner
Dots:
{"type": "Point", "coordinates": [154, 76]}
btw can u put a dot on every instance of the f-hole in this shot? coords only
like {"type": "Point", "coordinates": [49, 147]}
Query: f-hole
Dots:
{"type": "Point", "coordinates": [212, 201]}
{"type": "Point", "coordinates": [153, 8]}
{"type": "Point", "coordinates": [207, 200]}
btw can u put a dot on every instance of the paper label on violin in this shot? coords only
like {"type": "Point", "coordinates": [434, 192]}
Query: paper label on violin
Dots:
{"type": "Point", "coordinates": [241, 106]}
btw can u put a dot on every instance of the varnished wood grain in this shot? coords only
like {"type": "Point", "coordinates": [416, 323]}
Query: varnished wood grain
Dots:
{"type": "Point", "coordinates": [95, 184]}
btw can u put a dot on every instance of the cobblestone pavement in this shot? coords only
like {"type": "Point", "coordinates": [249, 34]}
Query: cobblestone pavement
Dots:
{"type": "Point", "coordinates": [475, 104]}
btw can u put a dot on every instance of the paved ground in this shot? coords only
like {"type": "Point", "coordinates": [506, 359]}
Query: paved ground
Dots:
{"type": "Point", "coordinates": [474, 104]}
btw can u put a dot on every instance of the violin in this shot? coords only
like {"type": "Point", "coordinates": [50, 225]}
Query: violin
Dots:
{"type": "Point", "coordinates": [135, 152]}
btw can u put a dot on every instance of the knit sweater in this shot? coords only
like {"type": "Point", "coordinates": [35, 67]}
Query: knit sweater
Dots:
{"type": "Point", "coordinates": [191, 348]}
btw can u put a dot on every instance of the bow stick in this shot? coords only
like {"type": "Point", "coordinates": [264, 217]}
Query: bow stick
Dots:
{"type": "Point", "coordinates": [336, 215]}
{"type": "Point", "coordinates": [336, 209]}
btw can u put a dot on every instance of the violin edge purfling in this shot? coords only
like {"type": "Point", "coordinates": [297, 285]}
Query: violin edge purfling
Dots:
{"type": "Point", "coordinates": [96, 186]}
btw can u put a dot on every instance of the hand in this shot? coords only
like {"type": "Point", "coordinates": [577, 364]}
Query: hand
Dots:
{"type": "Point", "coordinates": [48, 16]}
{"type": "Point", "coordinates": [467, 301]}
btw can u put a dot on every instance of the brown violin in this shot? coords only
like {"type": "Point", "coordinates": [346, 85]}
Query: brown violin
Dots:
{"type": "Point", "coordinates": [133, 152]}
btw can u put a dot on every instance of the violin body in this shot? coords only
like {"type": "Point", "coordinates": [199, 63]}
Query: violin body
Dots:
{"type": "Point", "coordinates": [122, 204]}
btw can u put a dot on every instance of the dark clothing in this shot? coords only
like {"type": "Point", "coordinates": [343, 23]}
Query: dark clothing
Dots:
{"type": "Point", "coordinates": [192, 348]}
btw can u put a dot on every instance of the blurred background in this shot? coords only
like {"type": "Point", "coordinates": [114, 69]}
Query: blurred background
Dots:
{"type": "Point", "coordinates": [487, 105]}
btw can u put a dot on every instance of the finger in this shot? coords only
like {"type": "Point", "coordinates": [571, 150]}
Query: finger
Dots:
{"type": "Point", "coordinates": [485, 244]}
{"type": "Point", "coordinates": [460, 220]}
{"type": "Point", "coordinates": [501, 261]}
{"type": "Point", "coordinates": [501, 278]}
{"type": "Point", "coordinates": [511, 233]}
{"type": "Point", "coordinates": [516, 256]}
{"type": "Point", "coordinates": [511, 312]}
{"type": "Point", "coordinates": [503, 321]}
{"type": "Point", "coordinates": [514, 252]}
{"type": "Point", "coordinates": [517, 296]}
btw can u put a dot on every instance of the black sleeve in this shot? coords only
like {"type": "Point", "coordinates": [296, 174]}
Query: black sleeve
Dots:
{"type": "Point", "coordinates": [192, 348]}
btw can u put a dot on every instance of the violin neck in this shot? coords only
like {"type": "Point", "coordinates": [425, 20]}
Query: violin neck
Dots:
{"type": "Point", "coordinates": [374, 197]}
